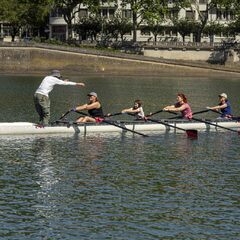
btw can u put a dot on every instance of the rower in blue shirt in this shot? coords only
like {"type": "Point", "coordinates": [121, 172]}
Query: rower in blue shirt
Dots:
{"type": "Point", "coordinates": [224, 106]}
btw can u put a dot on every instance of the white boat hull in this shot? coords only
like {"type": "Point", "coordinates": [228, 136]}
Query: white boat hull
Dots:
{"type": "Point", "coordinates": [20, 128]}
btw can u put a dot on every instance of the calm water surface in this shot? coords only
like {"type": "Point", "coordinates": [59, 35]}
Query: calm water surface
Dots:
{"type": "Point", "coordinates": [119, 186]}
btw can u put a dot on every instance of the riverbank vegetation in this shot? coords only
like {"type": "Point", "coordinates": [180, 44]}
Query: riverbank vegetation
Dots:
{"type": "Point", "coordinates": [29, 19]}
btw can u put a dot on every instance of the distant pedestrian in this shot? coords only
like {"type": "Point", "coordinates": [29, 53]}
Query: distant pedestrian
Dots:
{"type": "Point", "coordinates": [41, 96]}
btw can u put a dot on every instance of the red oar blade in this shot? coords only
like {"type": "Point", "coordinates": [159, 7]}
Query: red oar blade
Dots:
{"type": "Point", "coordinates": [192, 133]}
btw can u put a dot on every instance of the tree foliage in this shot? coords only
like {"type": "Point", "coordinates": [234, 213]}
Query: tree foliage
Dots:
{"type": "Point", "coordinates": [69, 9]}
{"type": "Point", "coordinates": [143, 10]}
{"type": "Point", "coordinates": [89, 27]}
{"type": "Point", "coordinates": [118, 27]}
{"type": "Point", "coordinates": [202, 21]}
{"type": "Point", "coordinates": [184, 26]}
{"type": "Point", "coordinates": [23, 13]}
{"type": "Point", "coordinates": [154, 28]}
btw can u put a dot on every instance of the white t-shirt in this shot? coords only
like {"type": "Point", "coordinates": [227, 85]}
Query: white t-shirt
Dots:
{"type": "Point", "coordinates": [48, 83]}
{"type": "Point", "coordinates": [140, 114]}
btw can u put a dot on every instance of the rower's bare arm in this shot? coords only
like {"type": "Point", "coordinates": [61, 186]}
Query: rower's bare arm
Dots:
{"type": "Point", "coordinates": [179, 109]}
{"type": "Point", "coordinates": [80, 108]}
{"type": "Point", "coordinates": [126, 110]}
{"type": "Point", "coordinates": [169, 108]}
{"type": "Point", "coordinates": [130, 110]}
{"type": "Point", "coordinates": [92, 106]}
{"type": "Point", "coordinates": [218, 107]}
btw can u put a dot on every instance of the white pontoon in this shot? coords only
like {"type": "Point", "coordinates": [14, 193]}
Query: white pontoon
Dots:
{"type": "Point", "coordinates": [20, 128]}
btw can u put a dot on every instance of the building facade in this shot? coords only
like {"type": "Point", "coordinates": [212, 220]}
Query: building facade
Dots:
{"type": "Point", "coordinates": [59, 29]}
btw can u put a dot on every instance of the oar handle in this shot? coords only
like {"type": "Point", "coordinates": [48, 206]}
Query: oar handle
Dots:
{"type": "Point", "coordinates": [65, 114]}
{"type": "Point", "coordinates": [151, 114]}
{"type": "Point", "coordinates": [203, 111]}
{"type": "Point", "coordinates": [215, 111]}
{"type": "Point", "coordinates": [113, 114]}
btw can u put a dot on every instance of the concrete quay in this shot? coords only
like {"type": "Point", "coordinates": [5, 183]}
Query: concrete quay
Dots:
{"type": "Point", "coordinates": [40, 58]}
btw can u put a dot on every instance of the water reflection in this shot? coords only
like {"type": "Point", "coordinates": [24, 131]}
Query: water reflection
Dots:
{"type": "Point", "coordinates": [119, 186]}
{"type": "Point", "coordinates": [46, 177]}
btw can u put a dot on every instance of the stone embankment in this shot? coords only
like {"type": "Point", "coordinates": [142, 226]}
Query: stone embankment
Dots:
{"type": "Point", "coordinates": [40, 58]}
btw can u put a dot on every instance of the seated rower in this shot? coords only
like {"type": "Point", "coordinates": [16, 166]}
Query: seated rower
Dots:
{"type": "Point", "coordinates": [224, 106]}
{"type": "Point", "coordinates": [94, 109]}
{"type": "Point", "coordinates": [181, 106]}
{"type": "Point", "coordinates": [136, 110]}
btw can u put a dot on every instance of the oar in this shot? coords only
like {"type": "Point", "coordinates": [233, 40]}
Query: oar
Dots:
{"type": "Point", "coordinates": [215, 125]}
{"type": "Point", "coordinates": [116, 125]}
{"type": "Point", "coordinates": [203, 111]}
{"type": "Point", "coordinates": [113, 114]}
{"type": "Point", "coordinates": [151, 114]}
{"type": "Point", "coordinates": [65, 114]}
{"type": "Point", "coordinates": [209, 123]}
{"type": "Point", "coordinates": [191, 133]}
{"type": "Point", "coordinates": [207, 110]}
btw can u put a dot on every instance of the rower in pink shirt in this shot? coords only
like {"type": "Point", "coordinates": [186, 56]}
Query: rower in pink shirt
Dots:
{"type": "Point", "coordinates": [181, 106]}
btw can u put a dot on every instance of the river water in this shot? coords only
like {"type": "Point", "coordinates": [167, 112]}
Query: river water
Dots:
{"type": "Point", "coordinates": [114, 186]}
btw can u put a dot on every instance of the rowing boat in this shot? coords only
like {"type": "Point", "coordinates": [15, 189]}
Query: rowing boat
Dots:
{"type": "Point", "coordinates": [20, 128]}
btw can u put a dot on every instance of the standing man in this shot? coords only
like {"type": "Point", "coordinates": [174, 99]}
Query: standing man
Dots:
{"type": "Point", "coordinates": [41, 98]}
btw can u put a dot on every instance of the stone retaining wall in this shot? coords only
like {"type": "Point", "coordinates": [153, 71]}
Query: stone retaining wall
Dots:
{"type": "Point", "coordinates": [38, 60]}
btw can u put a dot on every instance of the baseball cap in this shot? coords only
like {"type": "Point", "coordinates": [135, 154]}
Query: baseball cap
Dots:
{"type": "Point", "coordinates": [223, 95]}
{"type": "Point", "coordinates": [92, 94]}
{"type": "Point", "coordinates": [56, 73]}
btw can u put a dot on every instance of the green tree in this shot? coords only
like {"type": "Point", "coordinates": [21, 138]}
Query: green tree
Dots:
{"type": "Point", "coordinates": [89, 27]}
{"type": "Point", "coordinates": [13, 13]}
{"type": "Point", "coordinates": [38, 15]}
{"type": "Point", "coordinates": [143, 10]}
{"type": "Point", "coordinates": [184, 27]}
{"type": "Point", "coordinates": [153, 28]}
{"type": "Point", "coordinates": [70, 8]}
{"type": "Point", "coordinates": [194, 5]}
{"type": "Point", "coordinates": [118, 27]}
{"type": "Point", "coordinates": [21, 14]}
{"type": "Point", "coordinates": [213, 28]}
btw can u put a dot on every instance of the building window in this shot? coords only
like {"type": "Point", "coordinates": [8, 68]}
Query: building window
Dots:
{"type": "Point", "coordinates": [83, 13]}
{"type": "Point", "coordinates": [219, 14]}
{"type": "Point", "coordinates": [6, 30]}
{"type": "Point", "coordinates": [202, 14]}
{"type": "Point", "coordinates": [231, 16]}
{"type": "Point", "coordinates": [143, 33]}
{"type": "Point", "coordinates": [111, 13]}
{"type": "Point", "coordinates": [173, 14]}
{"type": "Point", "coordinates": [203, 1]}
{"type": "Point", "coordinates": [56, 13]}
{"type": "Point", "coordinates": [126, 13]}
{"type": "Point", "coordinates": [59, 32]}
{"type": "Point", "coordinates": [104, 12]}
{"type": "Point", "coordinates": [190, 15]}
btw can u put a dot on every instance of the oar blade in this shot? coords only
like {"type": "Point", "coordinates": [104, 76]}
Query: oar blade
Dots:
{"type": "Point", "coordinates": [192, 133]}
